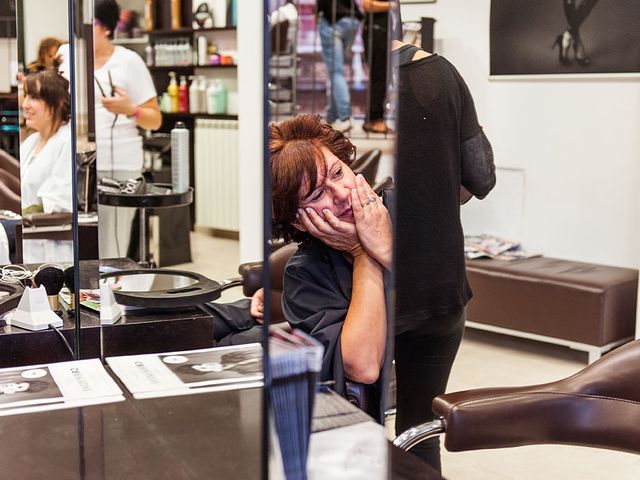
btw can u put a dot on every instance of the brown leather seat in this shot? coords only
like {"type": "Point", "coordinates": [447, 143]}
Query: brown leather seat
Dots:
{"type": "Point", "coordinates": [597, 407]}
{"type": "Point", "coordinates": [573, 301]}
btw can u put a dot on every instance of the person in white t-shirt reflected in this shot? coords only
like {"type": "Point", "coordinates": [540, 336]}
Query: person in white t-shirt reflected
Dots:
{"type": "Point", "coordinates": [125, 100]}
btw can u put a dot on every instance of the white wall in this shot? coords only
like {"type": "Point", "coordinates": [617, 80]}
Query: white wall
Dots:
{"type": "Point", "coordinates": [43, 18]}
{"type": "Point", "coordinates": [577, 141]}
{"type": "Point", "coordinates": [250, 125]}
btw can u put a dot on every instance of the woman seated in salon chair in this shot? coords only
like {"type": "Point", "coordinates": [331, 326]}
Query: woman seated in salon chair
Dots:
{"type": "Point", "coordinates": [45, 159]}
{"type": "Point", "coordinates": [334, 285]}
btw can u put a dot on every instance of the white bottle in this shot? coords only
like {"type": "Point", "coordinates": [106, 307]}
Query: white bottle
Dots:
{"type": "Point", "coordinates": [211, 97]}
{"type": "Point", "coordinates": [179, 158]}
{"type": "Point", "coordinates": [202, 94]}
{"type": "Point", "coordinates": [202, 50]}
{"type": "Point", "coordinates": [193, 95]}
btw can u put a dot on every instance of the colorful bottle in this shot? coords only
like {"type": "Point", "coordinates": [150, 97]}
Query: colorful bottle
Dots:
{"type": "Point", "coordinates": [172, 90]}
{"type": "Point", "coordinates": [148, 15]}
{"type": "Point", "coordinates": [220, 92]}
{"type": "Point", "coordinates": [183, 95]}
{"type": "Point", "coordinates": [176, 15]}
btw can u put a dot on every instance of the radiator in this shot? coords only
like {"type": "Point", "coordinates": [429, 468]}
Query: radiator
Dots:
{"type": "Point", "coordinates": [216, 174]}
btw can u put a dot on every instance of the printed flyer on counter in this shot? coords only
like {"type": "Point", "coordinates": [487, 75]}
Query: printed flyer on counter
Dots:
{"type": "Point", "coordinates": [191, 371]}
{"type": "Point", "coordinates": [56, 385]}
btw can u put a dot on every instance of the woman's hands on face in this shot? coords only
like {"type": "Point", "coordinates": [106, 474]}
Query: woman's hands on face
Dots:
{"type": "Point", "coordinates": [373, 223]}
{"type": "Point", "coordinates": [120, 104]}
{"type": "Point", "coordinates": [330, 230]}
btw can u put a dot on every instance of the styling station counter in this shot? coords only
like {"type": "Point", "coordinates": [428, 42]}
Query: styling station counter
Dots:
{"type": "Point", "coordinates": [208, 435]}
{"type": "Point", "coordinates": [146, 331]}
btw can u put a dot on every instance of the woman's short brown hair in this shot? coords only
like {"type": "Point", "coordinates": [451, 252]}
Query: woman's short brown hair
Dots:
{"type": "Point", "coordinates": [53, 89]}
{"type": "Point", "coordinates": [295, 148]}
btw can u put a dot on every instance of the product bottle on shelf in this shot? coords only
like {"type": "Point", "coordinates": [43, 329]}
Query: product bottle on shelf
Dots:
{"type": "Point", "coordinates": [149, 55]}
{"type": "Point", "coordinates": [202, 94]}
{"type": "Point", "coordinates": [148, 15]}
{"type": "Point", "coordinates": [211, 97]}
{"type": "Point", "coordinates": [183, 95]}
{"type": "Point", "coordinates": [172, 90]}
{"type": "Point", "coordinates": [220, 95]}
{"type": "Point", "coordinates": [202, 50]}
{"type": "Point", "coordinates": [176, 16]}
{"type": "Point", "coordinates": [193, 95]}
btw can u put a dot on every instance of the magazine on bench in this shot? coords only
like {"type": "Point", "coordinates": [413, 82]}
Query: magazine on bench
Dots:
{"type": "Point", "coordinates": [56, 385]}
{"type": "Point", "coordinates": [190, 371]}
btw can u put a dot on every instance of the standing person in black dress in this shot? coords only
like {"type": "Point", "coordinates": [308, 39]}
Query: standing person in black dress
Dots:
{"type": "Point", "coordinates": [376, 48]}
{"type": "Point", "coordinates": [441, 148]}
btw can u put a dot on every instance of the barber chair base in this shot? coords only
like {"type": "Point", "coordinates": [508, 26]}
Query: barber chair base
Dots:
{"type": "Point", "coordinates": [594, 351]}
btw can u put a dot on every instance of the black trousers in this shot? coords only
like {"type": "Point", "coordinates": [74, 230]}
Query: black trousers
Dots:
{"type": "Point", "coordinates": [374, 37]}
{"type": "Point", "coordinates": [424, 357]}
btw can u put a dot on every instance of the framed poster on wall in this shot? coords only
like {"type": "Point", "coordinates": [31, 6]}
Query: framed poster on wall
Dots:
{"type": "Point", "coordinates": [564, 37]}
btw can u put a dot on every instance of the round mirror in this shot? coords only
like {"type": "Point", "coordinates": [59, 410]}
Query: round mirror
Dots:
{"type": "Point", "coordinates": [151, 282]}
{"type": "Point", "coordinates": [158, 288]}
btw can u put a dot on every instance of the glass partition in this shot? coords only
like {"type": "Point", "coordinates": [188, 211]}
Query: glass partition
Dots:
{"type": "Point", "coordinates": [332, 162]}
{"type": "Point", "coordinates": [39, 192]}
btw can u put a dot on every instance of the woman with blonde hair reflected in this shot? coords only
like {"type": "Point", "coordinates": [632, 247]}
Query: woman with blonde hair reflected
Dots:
{"type": "Point", "coordinates": [47, 55]}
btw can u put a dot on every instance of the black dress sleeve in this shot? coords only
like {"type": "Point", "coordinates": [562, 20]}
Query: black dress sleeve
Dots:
{"type": "Point", "coordinates": [478, 168]}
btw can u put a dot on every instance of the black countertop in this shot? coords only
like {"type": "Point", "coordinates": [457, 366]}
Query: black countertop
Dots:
{"type": "Point", "coordinates": [209, 435]}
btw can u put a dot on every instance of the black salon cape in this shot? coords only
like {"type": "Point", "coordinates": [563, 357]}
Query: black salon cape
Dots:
{"type": "Point", "coordinates": [317, 288]}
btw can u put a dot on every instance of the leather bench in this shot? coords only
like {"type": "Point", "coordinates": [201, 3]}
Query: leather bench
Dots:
{"type": "Point", "coordinates": [580, 305]}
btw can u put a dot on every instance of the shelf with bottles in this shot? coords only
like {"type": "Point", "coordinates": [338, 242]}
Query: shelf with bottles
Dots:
{"type": "Point", "coordinates": [131, 41]}
{"type": "Point", "coordinates": [185, 68]}
{"type": "Point", "coordinates": [187, 31]}
{"type": "Point", "coordinates": [204, 96]}
{"type": "Point", "coordinates": [212, 116]}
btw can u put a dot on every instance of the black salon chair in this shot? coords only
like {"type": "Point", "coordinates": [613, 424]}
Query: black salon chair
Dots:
{"type": "Point", "coordinates": [251, 278]}
{"type": "Point", "coordinates": [367, 164]}
{"type": "Point", "coordinates": [597, 407]}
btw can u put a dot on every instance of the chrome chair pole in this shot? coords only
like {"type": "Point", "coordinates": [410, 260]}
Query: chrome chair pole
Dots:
{"type": "Point", "coordinates": [414, 435]}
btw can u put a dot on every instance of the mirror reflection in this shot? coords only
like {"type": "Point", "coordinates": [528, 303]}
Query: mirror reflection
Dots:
{"type": "Point", "coordinates": [332, 163]}
{"type": "Point", "coordinates": [168, 174]}
{"type": "Point", "coordinates": [45, 150]}
{"type": "Point", "coordinates": [152, 282]}
{"type": "Point", "coordinates": [38, 194]}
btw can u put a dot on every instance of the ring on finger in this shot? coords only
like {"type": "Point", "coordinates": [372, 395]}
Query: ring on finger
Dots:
{"type": "Point", "coordinates": [373, 198]}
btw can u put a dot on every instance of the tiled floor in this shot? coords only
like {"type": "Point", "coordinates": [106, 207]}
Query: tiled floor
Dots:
{"type": "Point", "coordinates": [485, 359]}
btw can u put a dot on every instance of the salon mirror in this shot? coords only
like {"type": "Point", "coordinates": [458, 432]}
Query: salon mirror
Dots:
{"type": "Point", "coordinates": [143, 224]}
{"type": "Point", "coordinates": [42, 238]}
{"type": "Point", "coordinates": [46, 158]}
{"type": "Point", "coordinates": [152, 282]}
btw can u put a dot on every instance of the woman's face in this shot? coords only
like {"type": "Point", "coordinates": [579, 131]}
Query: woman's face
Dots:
{"type": "Point", "coordinates": [100, 35]}
{"type": "Point", "coordinates": [50, 55]}
{"type": "Point", "coordinates": [333, 191]}
{"type": "Point", "coordinates": [36, 113]}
